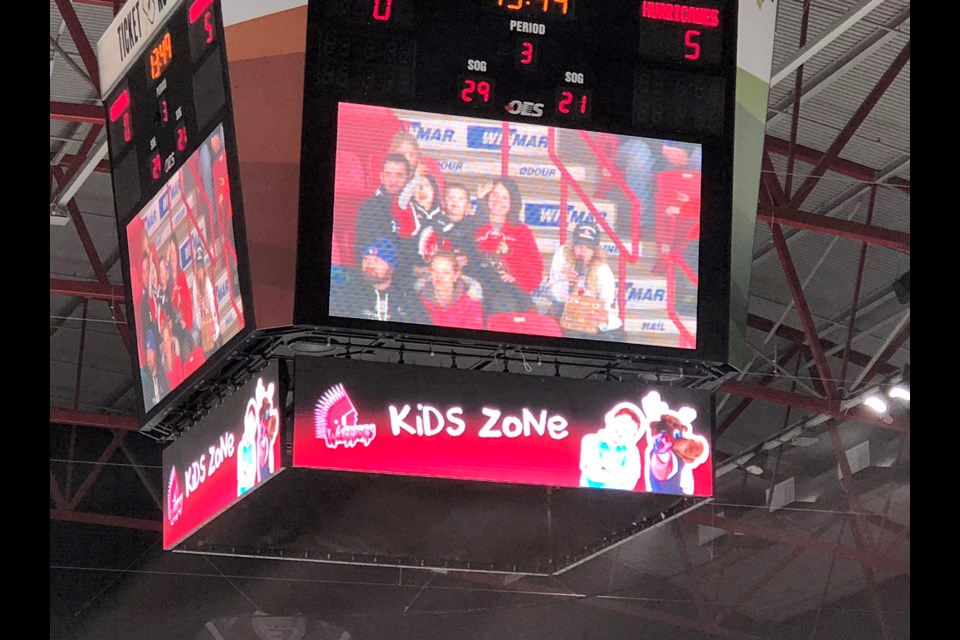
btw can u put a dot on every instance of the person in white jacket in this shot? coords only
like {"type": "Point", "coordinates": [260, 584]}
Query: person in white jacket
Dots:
{"type": "Point", "coordinates": [580, 268]}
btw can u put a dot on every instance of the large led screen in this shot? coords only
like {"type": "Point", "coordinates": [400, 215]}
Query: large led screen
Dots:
{"type": "Point", "coordinates": [183, 272]}
{"type": "Point", "coordinates": [474, 224]}
{"type": "Point", "coordinates": [232, 450]}
{"type": "Point", "coordinates": [537, 430]}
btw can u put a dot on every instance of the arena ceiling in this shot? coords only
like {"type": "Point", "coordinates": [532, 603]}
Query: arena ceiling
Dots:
{"type": "Point", "coordinates": [808, 535]}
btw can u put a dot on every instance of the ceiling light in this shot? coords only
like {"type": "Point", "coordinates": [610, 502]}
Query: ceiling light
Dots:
{"type": "Point", "coordinates": [876, 403]}
{"type": "Point", "coordinates": [900, 392]}
{"type": "Point", "coordinates": [755, 470]}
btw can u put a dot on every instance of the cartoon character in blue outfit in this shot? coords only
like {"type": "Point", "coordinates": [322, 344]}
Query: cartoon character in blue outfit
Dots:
{"type": "Point", "coordinates": [674, 450]}
{"type": "Point", "coordinates": [610, 458]}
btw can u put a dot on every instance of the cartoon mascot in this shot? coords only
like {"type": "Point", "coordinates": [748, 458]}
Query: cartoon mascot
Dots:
{"type": "Point", "coordinates": [610, 458]}
{"type": "Point", "coordinates": [673, 450]}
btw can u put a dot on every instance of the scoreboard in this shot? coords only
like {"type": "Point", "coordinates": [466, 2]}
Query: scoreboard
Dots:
{"type": "Point", "coordinates": [617, 114]}
{"type": "Point", "coordinates": [171, 89]}
{"type": "Point", "coordinates": [174, 167]}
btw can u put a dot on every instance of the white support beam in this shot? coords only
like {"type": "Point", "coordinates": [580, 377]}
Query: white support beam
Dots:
{"type": "Point", "coordinates": [836, 70]}
{"type": "Point", "coordinates": [97, 153]}
{"type": "Point", "coordinates": [829, 35]}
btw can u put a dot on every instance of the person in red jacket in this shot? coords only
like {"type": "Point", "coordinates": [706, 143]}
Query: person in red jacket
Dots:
{"type": "Point", "coordinates": [510, 265]}
{"type": "Point", "coordinates": [447, 298]}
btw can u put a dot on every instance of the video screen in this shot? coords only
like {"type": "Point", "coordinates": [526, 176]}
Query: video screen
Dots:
{"type": "Point", "coordinates": [183, 272]}
{"type": "Point", "coordinates": [231, 451]}
{"type": "Point", "coordinates": [460, 222]}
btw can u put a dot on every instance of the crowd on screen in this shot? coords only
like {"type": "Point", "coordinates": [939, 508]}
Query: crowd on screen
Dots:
{"type": "Point", "coordinates": [429, 251]}
{"type": "Point", "coordinates": [177, 314]}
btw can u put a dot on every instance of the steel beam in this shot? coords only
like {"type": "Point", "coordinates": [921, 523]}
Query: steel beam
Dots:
{"type": "Point", "coordinates": [108, 521]}
{"type": "Point", "coordinates": [81, 491]}
{"type": "Point", "coordinates": [795, 335]}
{"type": "Point", "coordinates": [809, 155]}
{"type": "Point", "coordinates": [809, 328]}
{"type": "Point", "coordinates": [80, 39]}
{"type": "Point", "coordinates": [789, 217]}
{"type": "Point", "coordinates": [773, 534]}
{"type": "Point", "coordinates": [813, 405]}
{"type": "Point", "coordinates": [828, 35]}
{"type": "Point", "coordinates": [87, 289]}
{"type": "Point", "coordinates": [831, 154]}
{"type": "Point", "coordinates": [70, 112]}
{"type": "Point", "coordinates": [89, 419]}
{"type": "Point", "coordinates": [96, 264]}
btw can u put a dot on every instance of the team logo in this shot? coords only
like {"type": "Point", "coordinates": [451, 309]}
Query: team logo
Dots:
{"type": "Point", "coordinates": [336, 420]}
{"type": "Point", "coordinates": [174, 498]}
{"type": "Point", "coordinates": [522, 108]}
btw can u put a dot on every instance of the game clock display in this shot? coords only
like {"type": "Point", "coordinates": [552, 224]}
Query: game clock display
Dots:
{"type": "Point", "coordinates": [155, 118]}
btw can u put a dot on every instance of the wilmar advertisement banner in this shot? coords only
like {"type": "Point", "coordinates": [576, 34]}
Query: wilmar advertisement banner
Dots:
{"type": "Point", "coordinates": [234, 449]}
{"type": "Point", "coordinates": [499, 427]}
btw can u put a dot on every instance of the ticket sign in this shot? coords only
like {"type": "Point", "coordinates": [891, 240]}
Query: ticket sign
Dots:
{"type": "Point", "coordinates": [231, 451]}
{"type": "Point", "coordinates": [495, 427]}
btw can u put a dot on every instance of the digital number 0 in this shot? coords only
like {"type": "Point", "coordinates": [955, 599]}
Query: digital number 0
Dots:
{"type": "Point", "coordinates": [381, 9]}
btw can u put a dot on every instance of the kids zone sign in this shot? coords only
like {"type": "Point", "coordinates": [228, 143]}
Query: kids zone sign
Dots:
{"type": "Point", "coordinates": [235, 448]}
{"type": "Point", "coordinates": [498, 427]}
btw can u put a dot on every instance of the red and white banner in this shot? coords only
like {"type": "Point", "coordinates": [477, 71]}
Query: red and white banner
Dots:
{"type": "Point", "coordinates": [497, 427]}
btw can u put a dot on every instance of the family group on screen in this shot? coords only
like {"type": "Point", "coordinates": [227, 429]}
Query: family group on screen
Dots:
{"type": "Point", "coordinates": [467, 242]}
{"type": "Point", "coordinates": [183, 270]}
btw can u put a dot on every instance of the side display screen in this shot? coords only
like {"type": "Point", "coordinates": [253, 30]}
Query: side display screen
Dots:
{"type": "Point", "coordinates": [234, 449]}
{"type": "Point", "coordinates": [483, 225]}
{"type": "Point", "coordinates": [537, 430]}
{"type": "Point", "coordinates": [183, 272]}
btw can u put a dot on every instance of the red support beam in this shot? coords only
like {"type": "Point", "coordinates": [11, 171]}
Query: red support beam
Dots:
{"type": "Point", "coordinates": [813, 405]}
{"type": "Point", "coordinates": [891, 349]}
{"type": "Point", "coordinates": [833, 226]}
{"type": "Point", "coordinates": [109, 521]}
{"type": "Point", "coordinates": [69, 112]}
{"type": "Point", "coordinates": [855, 302]}
{"type": "Point", "coordinates": [81, 491]}
{"type": "Point", "coordinates": [64, 177]}
{"type": "Point", "coordinates": [80, 39]}
{"type": "Point", "coordinates": [831, 154]}
{"type": "Point", "coordinates": [55, 491]}
{"type": "Point", "coordinates": [89, 419]}
{"type": "Point", "coordinates": [87, 289]}
{"type": "Point", "coordinates": [740, 408]}
{"type": "Point", "coordinates": [800, 301]}
{"type": "Point", "coordinates": [869, 558]}
{"type": "Point", "coordinates": [102, 167]}
{"type": "Point", "coordinates": [859, 172]}
{"type": "Point", "coordinates": [795, 335]}
{"type": "Point", "coordinates": [94, 259]}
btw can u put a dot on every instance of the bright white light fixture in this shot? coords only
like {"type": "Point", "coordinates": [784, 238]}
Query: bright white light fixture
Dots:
{"type": "Point", "coordinates": [876, 403]}
{"type": "Point", "coordinates": [900, 392]}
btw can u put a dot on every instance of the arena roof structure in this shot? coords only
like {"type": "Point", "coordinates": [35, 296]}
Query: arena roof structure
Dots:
{"type": "Point", "coordinates": [808, 533]}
